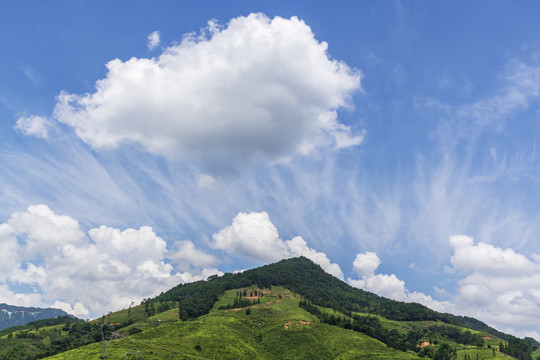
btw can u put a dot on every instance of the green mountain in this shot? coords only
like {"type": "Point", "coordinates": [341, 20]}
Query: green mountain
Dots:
{"type": "Point", "coordinates": [288, 310]}
{"type": "Point", "coordinates": [11, 315]}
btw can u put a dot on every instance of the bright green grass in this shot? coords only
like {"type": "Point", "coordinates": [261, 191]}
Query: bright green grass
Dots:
{"type": "Point", "coordinates": [45, 328]}
{"type": "Point", "coordinates": [31, 346]}
{"type": "Point", "coordinates": [169, 315]}
{"type": "Point", "coordinates": [136, 313]}
{"type": "Point", "coordinates": [482, 353]}
{"type": "Point", "coordinates": [277, 328]}
{"type": "Point", "coordinates": [404, 326]}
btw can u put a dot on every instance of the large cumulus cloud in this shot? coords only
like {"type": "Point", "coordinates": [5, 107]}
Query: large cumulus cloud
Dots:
{"type": "Point", "coordinates": [500, 286]}
{"type": "Point", "coordinates": [85, 274]}
{"type": "Point", "coordinates": [254, 236]}
{"type": "Point", "coordinates": [258, 87]}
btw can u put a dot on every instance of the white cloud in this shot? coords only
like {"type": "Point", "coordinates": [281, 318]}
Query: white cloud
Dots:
{"type": "Point", "coordinates": [77, 310]}
{"type": "Point", "coordinates": [344, 139]}
{"type": "Point", "coordinates": [384, 285]}
{"type": "Point", "coordinates": [388, 286]}
{"type": "Point", "coordinates": [501, 287]}
{"type": "Point", "coordinates": [459, 185]}
{"type": "Point", "coordinates": [9, 254]}
{"type": "Point", "coordinates": [34, 125]}
{"type": "Point", "coordinates": [32, 74]}
{"type": "Point", "coordinates": [10, 297]}
{"type": "Point", "coordinates": [523, 88]}
{"type": "Point", "coordinates": [205, 273]}
{"type": "Point", "coordinates": [366, 263]}
{"type": "Point", "coordinates": [39, 223]}
{"type": "Point", "coordinates": [258, 87]}
{"type": "Point", "coordinates": [187, 252]}
{"type": "Point", "coordinates": [31, 275]}
{"type": "Point", "coordinates": [141, 245]}
{"type": "Point", "coordinates": [153, 40]}
{"type": "Point", "coordinates": [498, 286]}
{"type": "Point", "coordinates": [205, 181]}
{"type": "Point", "coordinates": [298, 247]}
{"type": "Point", "coordinates": [253, 236]}
{"type": "Point", "coordinates": [87, 275]}
{"type": "Point", "coordinates": [487, 259]}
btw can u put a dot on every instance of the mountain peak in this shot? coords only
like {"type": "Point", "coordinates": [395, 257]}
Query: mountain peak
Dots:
{"type": "Point", "coordinates": [12, 315]}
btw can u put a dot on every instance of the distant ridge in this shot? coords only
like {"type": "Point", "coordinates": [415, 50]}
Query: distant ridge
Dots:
{"type": "Point", "coordinates": [11, 315]}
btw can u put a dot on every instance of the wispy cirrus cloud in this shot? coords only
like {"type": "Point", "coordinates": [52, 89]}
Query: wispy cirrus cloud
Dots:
{"type": "Point", "coordinates": [459, 187]}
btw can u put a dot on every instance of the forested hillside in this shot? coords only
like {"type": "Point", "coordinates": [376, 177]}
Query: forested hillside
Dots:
{"type": "Point", "coordinates": [288, 310]}
{"type": "Point", "coordinates": [308, 279]}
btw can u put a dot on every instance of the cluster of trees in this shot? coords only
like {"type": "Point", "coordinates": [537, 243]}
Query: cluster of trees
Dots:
{"type": "Point", "coordinates": [454, 334]}
{"type": "Point", "coordinates": [371, 325]}
{"type": "Point", "coordinates": [36, 344]}
{"type": "Point", "coordinates": [443, 352]}
{"type": "Point", "coordinates": [240, 301]}
{"type": "Point", "coordinates": [36, 347]}
{"type": "Point", "coordinates": [152, 307]}
{"type": "Point", "coordinates": [519, 348]}
{"type": "Point", "coordinates": [36, 325]}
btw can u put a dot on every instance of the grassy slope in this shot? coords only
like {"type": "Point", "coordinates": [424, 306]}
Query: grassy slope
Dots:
{"type": "Point", "coordinates": [276, 328]}
{"type": "Point", "coordinates": [472, 351]}
{"type": "Point", "coordinates": [483, 354]}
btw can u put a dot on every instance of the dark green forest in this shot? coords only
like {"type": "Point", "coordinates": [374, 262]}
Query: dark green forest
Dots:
{"type": "Point", "coordinates": [309, 280]}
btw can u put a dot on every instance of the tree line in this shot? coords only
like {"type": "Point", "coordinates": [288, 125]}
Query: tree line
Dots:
{"type": "Point", "coordinates": [47, 342]}
{"type": "Point", "coordinates": [303, 277]}
{"type": "Point", "coordinates": [372, 326]}
{"type": "Point", "coordinates": [519, 348]}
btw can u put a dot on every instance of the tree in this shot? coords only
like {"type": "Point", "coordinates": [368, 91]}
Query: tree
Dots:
{"type": "Point", "coordinates": [129, 308]}
{"type": "Point", "coordinates": [445, 352]}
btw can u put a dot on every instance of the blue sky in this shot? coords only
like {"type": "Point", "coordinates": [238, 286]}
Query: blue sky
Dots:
{"type": "Point", "coordinates": [394, 143]}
